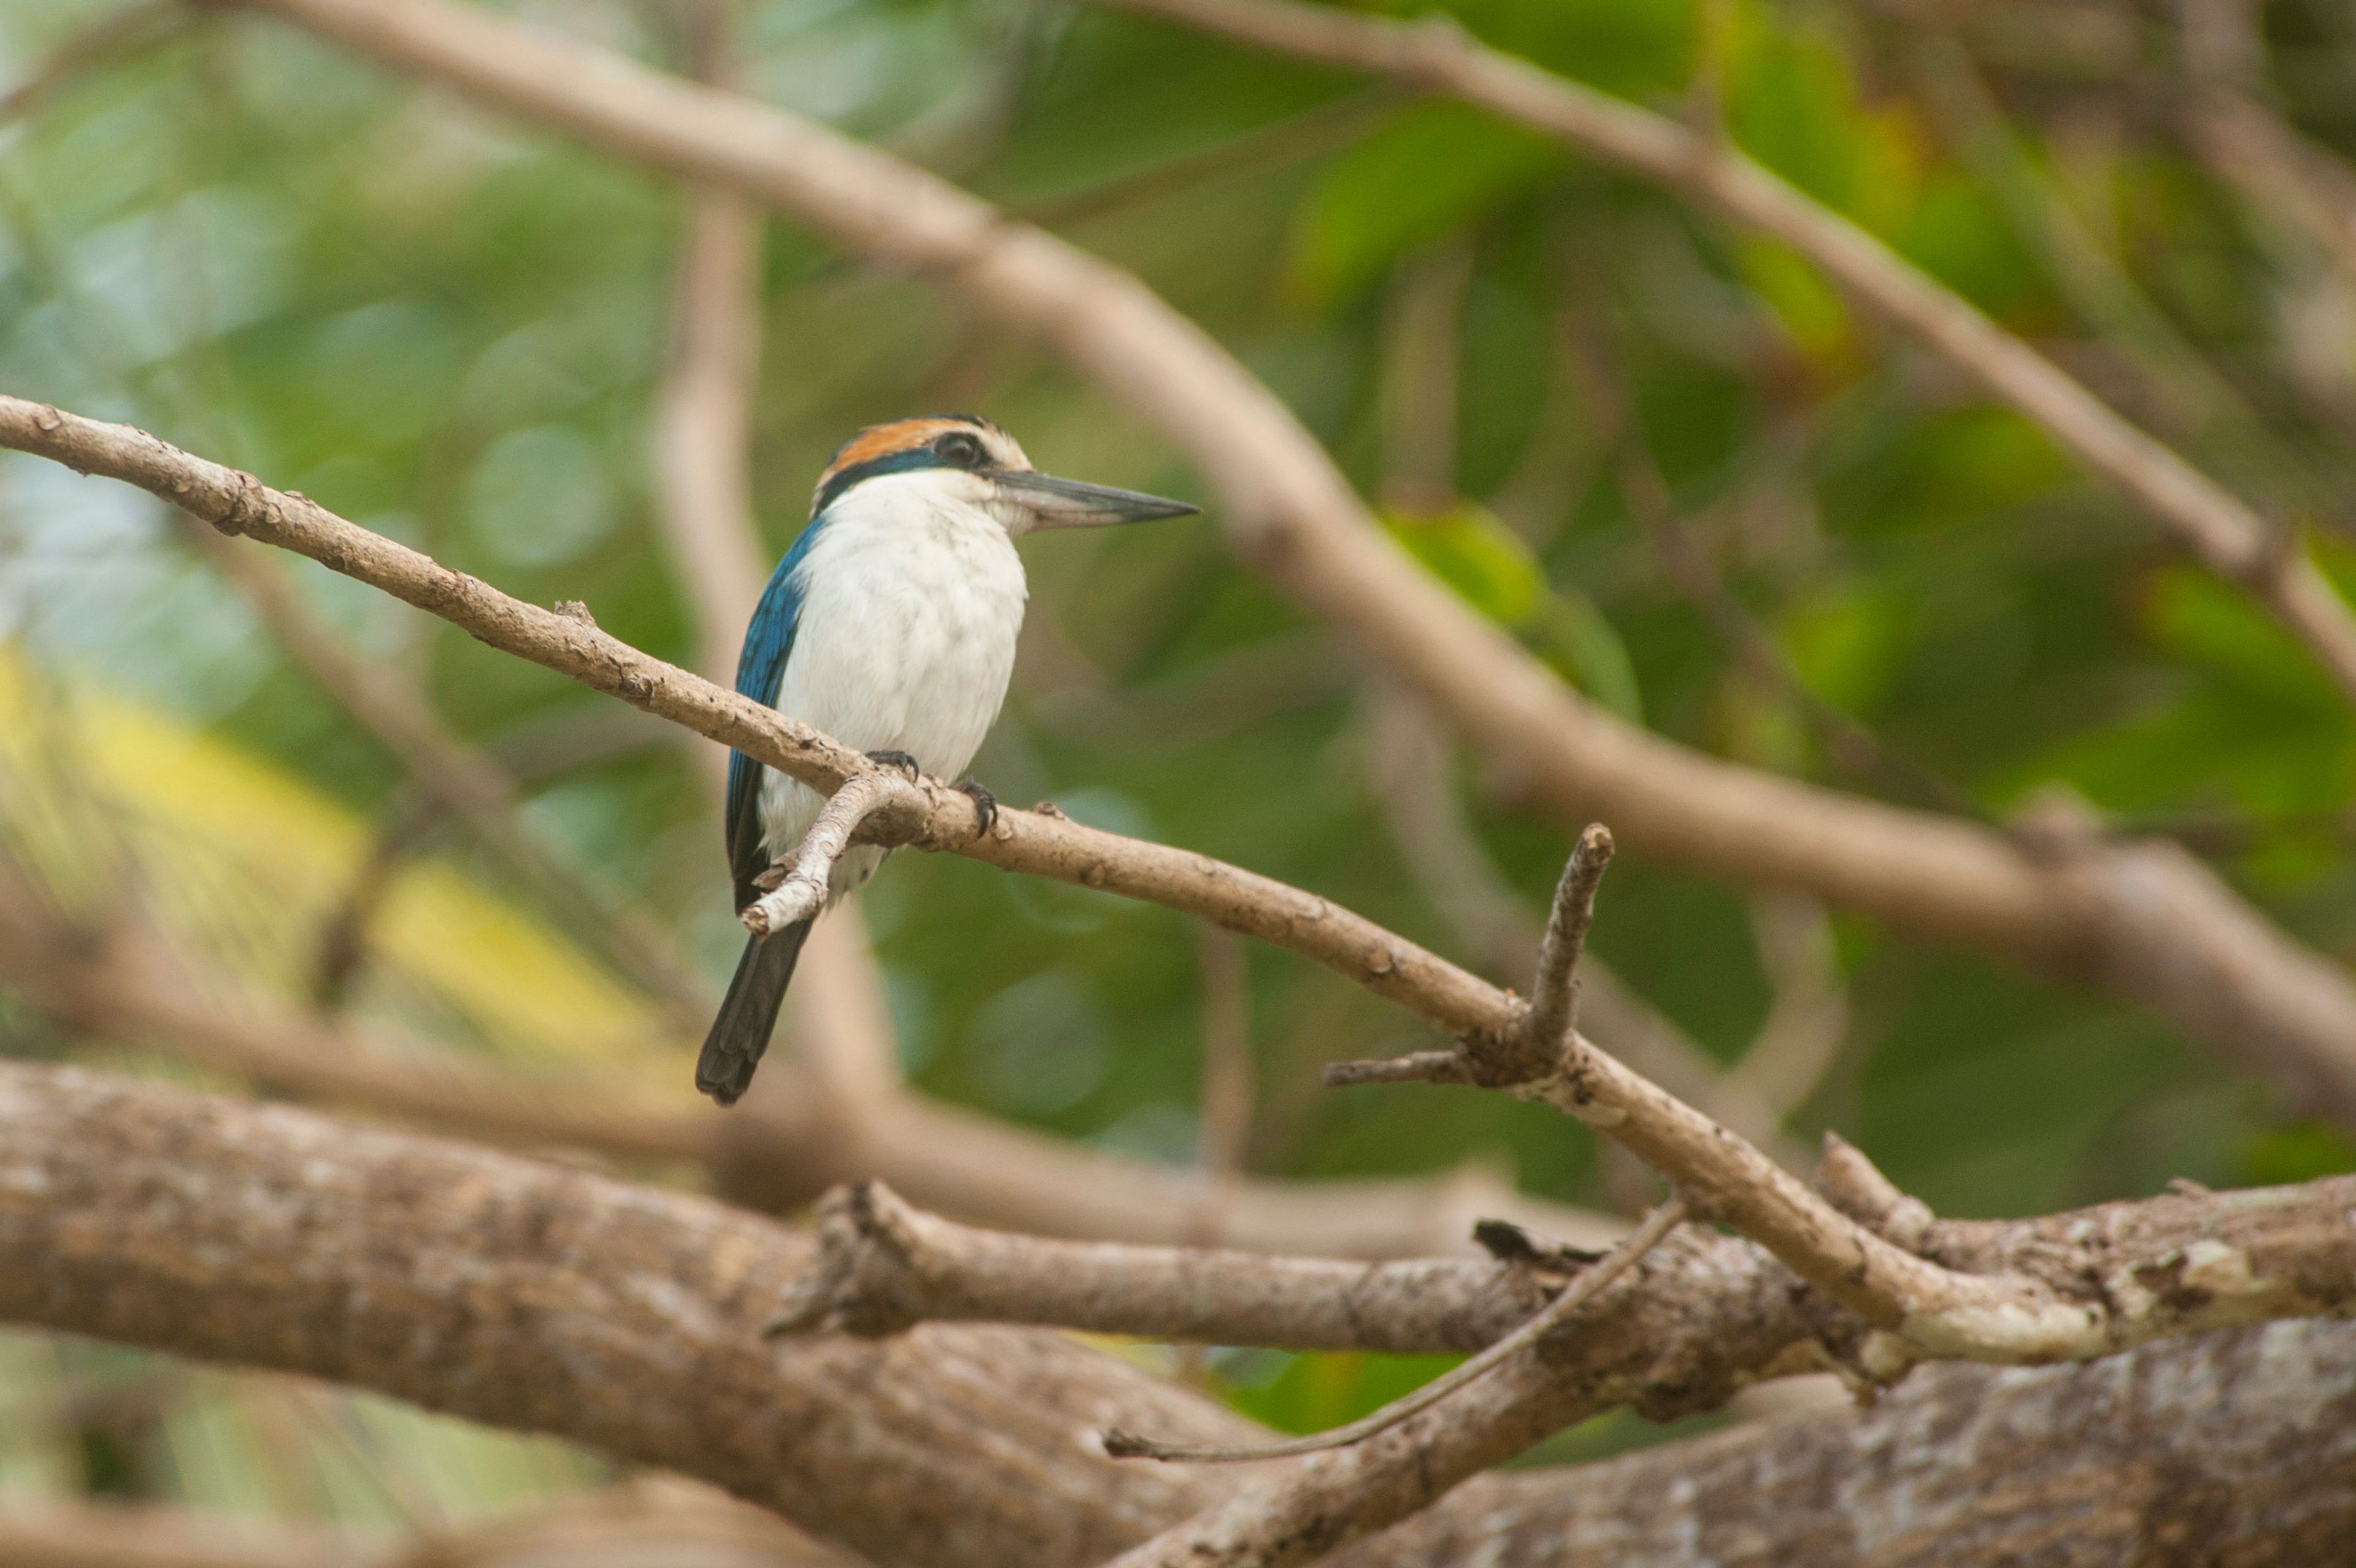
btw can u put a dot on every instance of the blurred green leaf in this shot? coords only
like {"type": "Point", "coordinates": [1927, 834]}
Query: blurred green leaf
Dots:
{"type": "Point", "coordinates": [1318, 1390]}
{"type": "Point", "coordinates": [1427, 173]}
{"type": "Point", "coordinates": [2302, 1151]}
{"type": "Point", "coordinates": [1805, 305]}
{"type": "Point", "coordinates": [1630, 48]}
{"type": "Point", "coordinates": [1469, 550]}
{"type": "Point", "coordinates": [1582, 644]}
{"type": "Point", "coordinates": [1792, 104]}
{"type": "Point", "coordinates": [1849, 643]}
{"type": "Point", "coordinates": [1493, 569]}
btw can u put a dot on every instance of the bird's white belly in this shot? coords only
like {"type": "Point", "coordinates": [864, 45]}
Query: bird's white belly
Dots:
{"type": "Point", "coordinates": [910, 612]}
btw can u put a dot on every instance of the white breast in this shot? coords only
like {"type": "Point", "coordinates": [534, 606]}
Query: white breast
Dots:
{"type": "Point", "coordinates": [912, 600]}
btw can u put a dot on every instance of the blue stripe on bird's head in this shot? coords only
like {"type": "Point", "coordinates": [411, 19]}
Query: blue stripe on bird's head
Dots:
{"type": "Point", "coordinates": [986, 467]}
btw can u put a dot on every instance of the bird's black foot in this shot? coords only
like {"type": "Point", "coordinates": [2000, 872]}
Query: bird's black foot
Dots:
{"type": "Point", "coordinates": [900, 760]}
{"type": "Point", "coordinates": [985, 806]}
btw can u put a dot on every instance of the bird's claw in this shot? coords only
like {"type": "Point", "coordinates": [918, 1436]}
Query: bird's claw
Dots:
{"type": "Point", "coordinates": [985, 806]}
{"type": "Point", "coordinates": [900, 760]}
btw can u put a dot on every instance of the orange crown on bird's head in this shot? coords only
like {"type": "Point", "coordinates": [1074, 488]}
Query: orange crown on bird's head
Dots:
{"type": "Point", "coordinates": [928, 440]}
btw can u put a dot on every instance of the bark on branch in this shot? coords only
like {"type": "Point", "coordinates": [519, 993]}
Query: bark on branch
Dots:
{"type": "Point", "coordinates": [2237, 1447]}
{"type": "Point", "coordinates": [533, 1296]}
{"type": "Point", "coordinates": [885, 1267]}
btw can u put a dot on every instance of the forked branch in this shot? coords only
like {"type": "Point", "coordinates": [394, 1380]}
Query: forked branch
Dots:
{"type": "Point", "coordinates": [801, 881]}
{"type": "Point", "coordinates": [1588, 1283]}
{"type": "Point", "coordinates": [885, 1266]}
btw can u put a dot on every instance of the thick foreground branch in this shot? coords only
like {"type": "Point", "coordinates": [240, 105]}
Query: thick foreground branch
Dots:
{"type": "Point", "coordinates": [2237, 1447]}
{"type": "Point", "coordinates": [627, 1526]}
{"type": "Point", "coordinates": [551, 1299]}
{"type": "Point", "coordinates": [533, 1296]}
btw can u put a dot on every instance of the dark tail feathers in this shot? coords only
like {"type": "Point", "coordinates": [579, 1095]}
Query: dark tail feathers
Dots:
{"type": "Point", "coordinates": [740, 1033]}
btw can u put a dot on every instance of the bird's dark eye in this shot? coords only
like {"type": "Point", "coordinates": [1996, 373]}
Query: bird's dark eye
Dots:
{"type": "Point", "coordinates": [958, 450]}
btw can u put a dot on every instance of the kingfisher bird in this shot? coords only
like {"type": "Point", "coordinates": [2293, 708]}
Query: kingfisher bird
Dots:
{"type": "Point", "coordinates": [890, 624]}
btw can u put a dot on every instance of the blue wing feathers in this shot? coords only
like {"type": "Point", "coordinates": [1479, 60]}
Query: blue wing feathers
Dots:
{"type": "Point", "coordinates": [760, 669]}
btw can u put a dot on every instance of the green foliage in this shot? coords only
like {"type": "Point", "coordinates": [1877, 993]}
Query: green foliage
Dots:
{"type": "Point", "coordinates": [1430, 172]}
{"type": "Point", "coordinates": [1493, 569]}
{"type": "Point", "coordinates": [2299, 1152]}
{"type": "Point", "coordinates": [1311, 1392]}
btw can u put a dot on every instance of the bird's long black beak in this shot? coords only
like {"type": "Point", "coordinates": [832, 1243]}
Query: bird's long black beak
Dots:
{"type": "Point", "coordinates": [1071, 504]}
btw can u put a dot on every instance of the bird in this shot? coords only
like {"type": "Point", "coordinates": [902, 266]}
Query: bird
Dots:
{"type": "Point", "coordinates": [890, 624]}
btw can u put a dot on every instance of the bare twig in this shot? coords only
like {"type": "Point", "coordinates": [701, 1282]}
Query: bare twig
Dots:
{"type": "Point", "coordinates": [2144, 1251]}
{"type": "Point", "coordinates": [1727, 1178]}
{"type": "Point", "coordinates": [888, 1267]}
{"type": "Point", "coordinates": [1554, 995]}
{"type": "Point", "coordinates": [1584, 1287]}
{"type": "Point", "coordinates": [2248, 143]}
{"type": "Point", "coordinates": [1408, 757]}
{"type": "Point", "coordinates": [801, 891]}
{"type": "Point", "coordinates": [1290, 513]}
{"type": "Point", "coordinates": [935, 817]}
{"type": "Point", "coordinates": [1855, 1186]}
{"type": "Point", "coordinates": [885, 1268]}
